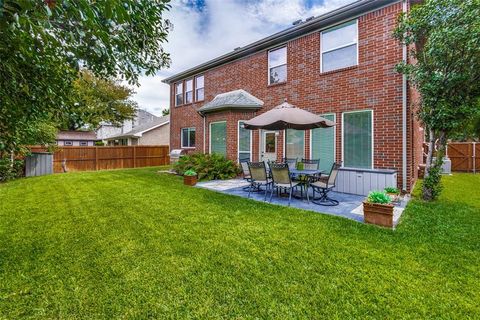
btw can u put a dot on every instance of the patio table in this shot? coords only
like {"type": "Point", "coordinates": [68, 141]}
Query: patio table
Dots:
{"type": "Point", "coordinates": [307, 173]}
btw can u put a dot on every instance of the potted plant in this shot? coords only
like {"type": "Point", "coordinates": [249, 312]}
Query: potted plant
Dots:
{"type": "Point", "coordinates": [377, 209]}
{"type": "Point", "coordinates": [190, 178]}
{"type": "Point", "coordinates": [393, 193]}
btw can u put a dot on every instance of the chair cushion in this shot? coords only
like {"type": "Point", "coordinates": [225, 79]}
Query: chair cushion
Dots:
{"type": "Point", "coordinates": [285, 185]}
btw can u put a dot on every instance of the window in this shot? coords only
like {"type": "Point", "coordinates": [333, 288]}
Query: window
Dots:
{"type": "Point", "coordinates": [189, 91]}
{"type": "Point", "coordinates": [179, 93]}
{"type": "Point", "coordinates": [188, 138]}
{"type": "Point", "coordinates": [357, 139]}
{"type": "Point", "coordinates": [244, 143]}
{"type": "Point", "coordinates": [83, 143]}
{"type": "Point", "coordinates": [295, 144]}
{"type": "Point", "coordinates": [68, 143]}
{"type": "Point", "coordinates": [199, 88]}
{"type": "Point", "coordinates": [339, 47]}
{"type": "Point", "coordinates": [323, 145]}
{"type": "Point", "coordinates": [218, 138]}
{"type": "Point", "coordinates": [277, 65]}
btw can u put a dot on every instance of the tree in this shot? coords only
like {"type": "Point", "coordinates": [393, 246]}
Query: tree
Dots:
{"type": "Point", "coordinates": [443, 37]}
{"type": "Point", "coordinates": [96, 100]}
{"type": "Point", "coordinates": [166, 112]}
{"type": "Point", "coordinates": [44, 43]}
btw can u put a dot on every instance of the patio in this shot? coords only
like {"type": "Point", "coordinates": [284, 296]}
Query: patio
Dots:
{"type": "Point", "coordinates": [350, 206]}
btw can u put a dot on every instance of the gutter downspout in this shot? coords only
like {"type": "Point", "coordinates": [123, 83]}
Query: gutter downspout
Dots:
{"type": "Point", "coordinates": [204, 132]}
{"type": "Point", "coordinates": [404, 112]}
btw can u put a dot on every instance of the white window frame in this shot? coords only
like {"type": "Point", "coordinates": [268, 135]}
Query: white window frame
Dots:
{"type": "Point", "coordinates": [185, 91]}
{"type": "Point", "coordinates": [210, 134]}
{"type": "Point", "coordinates": [188, 131]}
{"type": "Point", "coordinates": [83, 143]}
{"type": "Point", "coordinates": [334, 136]}
{"type": "Point", "coordinates": [195, 96]}
{"type": "Point", "coordinates": [238, 141]}
{"type": "Point", "coordinates": [68, 143]}
{"type": "Point", "coordinates": [176, 93]}
{"type": "Point", "coordinates": [286, 63]}
{"type": "Point", "coordinates": [339, 47]}
{"type": "Point", "coordinates": [343, 135]}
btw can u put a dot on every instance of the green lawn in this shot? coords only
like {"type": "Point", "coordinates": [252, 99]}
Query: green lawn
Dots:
{"type": "Point", "coordinates": [136, 244]}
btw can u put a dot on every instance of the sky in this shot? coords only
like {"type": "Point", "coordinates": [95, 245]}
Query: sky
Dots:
{"type": "Point", "coordinates": [206, 29]}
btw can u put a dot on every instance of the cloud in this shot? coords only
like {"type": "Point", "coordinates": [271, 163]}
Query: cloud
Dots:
{"type": "Point", "coordinates": [206, 29]}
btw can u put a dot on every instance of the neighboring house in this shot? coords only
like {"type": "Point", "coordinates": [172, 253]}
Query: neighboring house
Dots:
{"type": "Point", "coordinates": [340, 65]}
{"type": "Point", "coordinates": [107, 130]}
{"type": "Point", "coordinates": [156, 132]}
{"type": "Point", "coordinates": [76, 138]}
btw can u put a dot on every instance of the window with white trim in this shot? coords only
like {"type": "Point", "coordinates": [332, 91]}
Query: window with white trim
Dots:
{"type": "Point", "coordinates": [83, 143]}
{"type": "Point", "coordinates": [244, 143]}
{"type": "Point", "coordinates": [277, 65]}
{"type": "Point", "coordinates": [218, 138]}
{"type": "Point", "coordinates": [357, 139]}
{"type": "Point", "coordinates": [189, 91]}
{"type": "Point", "coordinates": [188, 137]}
{"type": "Point", "coordinates": [295, 144]}
{"type": "Point", "coordinates": [199, 88]}
{"type": "Point", "coordinates": [339, 46]}
{"type": "Point", "coordinates": [179, 93]}
{"type": "Point", "coordinates": [68, 143]}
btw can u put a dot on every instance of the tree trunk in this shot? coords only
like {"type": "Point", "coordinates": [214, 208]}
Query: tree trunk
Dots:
{"type": "Point", "coordinates": [433, 169]}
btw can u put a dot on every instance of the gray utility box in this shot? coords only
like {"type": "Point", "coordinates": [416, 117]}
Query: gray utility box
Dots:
{"type": "Point", "coordinates": [38, 164]}
{"type": "Point", "coordinates": [362, 181]}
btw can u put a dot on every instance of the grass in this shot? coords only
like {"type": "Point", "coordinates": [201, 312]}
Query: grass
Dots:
{"type": "Point", "coordinates": [136, 244]}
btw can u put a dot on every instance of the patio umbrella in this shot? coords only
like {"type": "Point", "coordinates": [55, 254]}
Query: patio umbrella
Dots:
{"type": "Point", "coordinates": [286, 116]}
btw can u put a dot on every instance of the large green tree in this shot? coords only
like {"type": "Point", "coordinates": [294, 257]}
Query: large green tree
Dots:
{"type": "Point", "coordinates": [44, 43]}
{"type": "Point", "coordinates": [96, 100]}
{"type": "Point", "coordinates": [443, 37]}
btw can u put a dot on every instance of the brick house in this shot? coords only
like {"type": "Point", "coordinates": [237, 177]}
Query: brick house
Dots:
{"type": "Point", "coordinates": [340, 65]}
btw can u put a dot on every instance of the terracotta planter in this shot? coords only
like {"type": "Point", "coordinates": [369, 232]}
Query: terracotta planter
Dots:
{"type": "Point", "coordinates": [190, 180]}
{"type": "Point", "coordinates": [379, 214]}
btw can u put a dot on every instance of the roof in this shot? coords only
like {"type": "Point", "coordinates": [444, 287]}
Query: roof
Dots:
{"type": "Point", "coordinates": [141, 129]}
{"type": "Point", "coordinates": [77, 135]}
{"type": "Point", "coordinates": [237, 99]}
{"type": "Point", "coordinates": [323, 21]}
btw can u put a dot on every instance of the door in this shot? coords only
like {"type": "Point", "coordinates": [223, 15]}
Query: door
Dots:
{"type": "Point", "coordinates": [269, 146]}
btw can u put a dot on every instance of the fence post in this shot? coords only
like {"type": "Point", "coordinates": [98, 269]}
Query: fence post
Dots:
{"type": "Point", "coordinates": [96, 158]}
{"type": "Point", "coordinates": [134, 156]}
{"type": "Point", "coordinates": [474, 158]}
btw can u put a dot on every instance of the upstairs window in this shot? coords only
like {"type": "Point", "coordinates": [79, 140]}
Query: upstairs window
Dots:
{"type": "Point", "coordinates": [199, 90]}
{"type": "Point", "coordinates": [179, 93]}
{"type": "Point", "coordinates": [189, 91]}
{"type": "Point", "coordinates": [339, 47]}
{"type": "Point", "coordinates": [277, 65]}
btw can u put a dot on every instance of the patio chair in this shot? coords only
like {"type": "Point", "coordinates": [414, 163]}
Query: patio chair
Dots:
{"type": "Point", "coordinates": [246, 173]}
{"type": "Point", "coordinates": [258, 177]}
{"type": "Point", "coordinates": [292, 163]}
{"type": "Point", "coordinates": [282, 180]}
{"type": "Point", "coordinates": [324, 185]}
{"type": "Point", "coordinates": [311, 164]}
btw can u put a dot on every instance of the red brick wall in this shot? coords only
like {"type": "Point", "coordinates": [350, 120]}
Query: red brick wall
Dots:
{"type": "Point", "coordinates": [372, 85]}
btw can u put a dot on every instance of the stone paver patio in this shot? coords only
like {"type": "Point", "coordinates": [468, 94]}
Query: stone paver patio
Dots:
{"type": "Point", "coordinates": [350, 205]}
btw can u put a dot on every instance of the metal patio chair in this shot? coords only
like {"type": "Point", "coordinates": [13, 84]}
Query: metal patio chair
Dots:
{"type": "Point", "coordinates": [282, 180]}
{"type": "Point", "coordinates": [292, 163]}
{"type": "Point", "coordinates": [324, 185]}
{"type": "Point", "coordinates": [246, 173]}
{"type": "Point", "coordinates": [258, 177]}
{"type": "Point", "coordinates": [311, 164]}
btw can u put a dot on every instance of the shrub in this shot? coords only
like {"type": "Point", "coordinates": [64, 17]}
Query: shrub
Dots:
{"type": "Point", "coordinates": [207, 166]}
{"type": "Point", "coordinates": [391, 190]}
{"type": "Point", "coordinates": [378, 197]}
{"type": "Point", "coordinates": [9, 171]}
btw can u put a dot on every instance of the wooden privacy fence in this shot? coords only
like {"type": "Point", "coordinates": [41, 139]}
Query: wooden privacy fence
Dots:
{"type": "Point", "coordinates": [465, 156]}
{"type": "Point", "coordinates": [102, 158]}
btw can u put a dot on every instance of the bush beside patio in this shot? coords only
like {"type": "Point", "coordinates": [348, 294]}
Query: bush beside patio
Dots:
{"type": "Point", "coordinates": [135, 244]}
